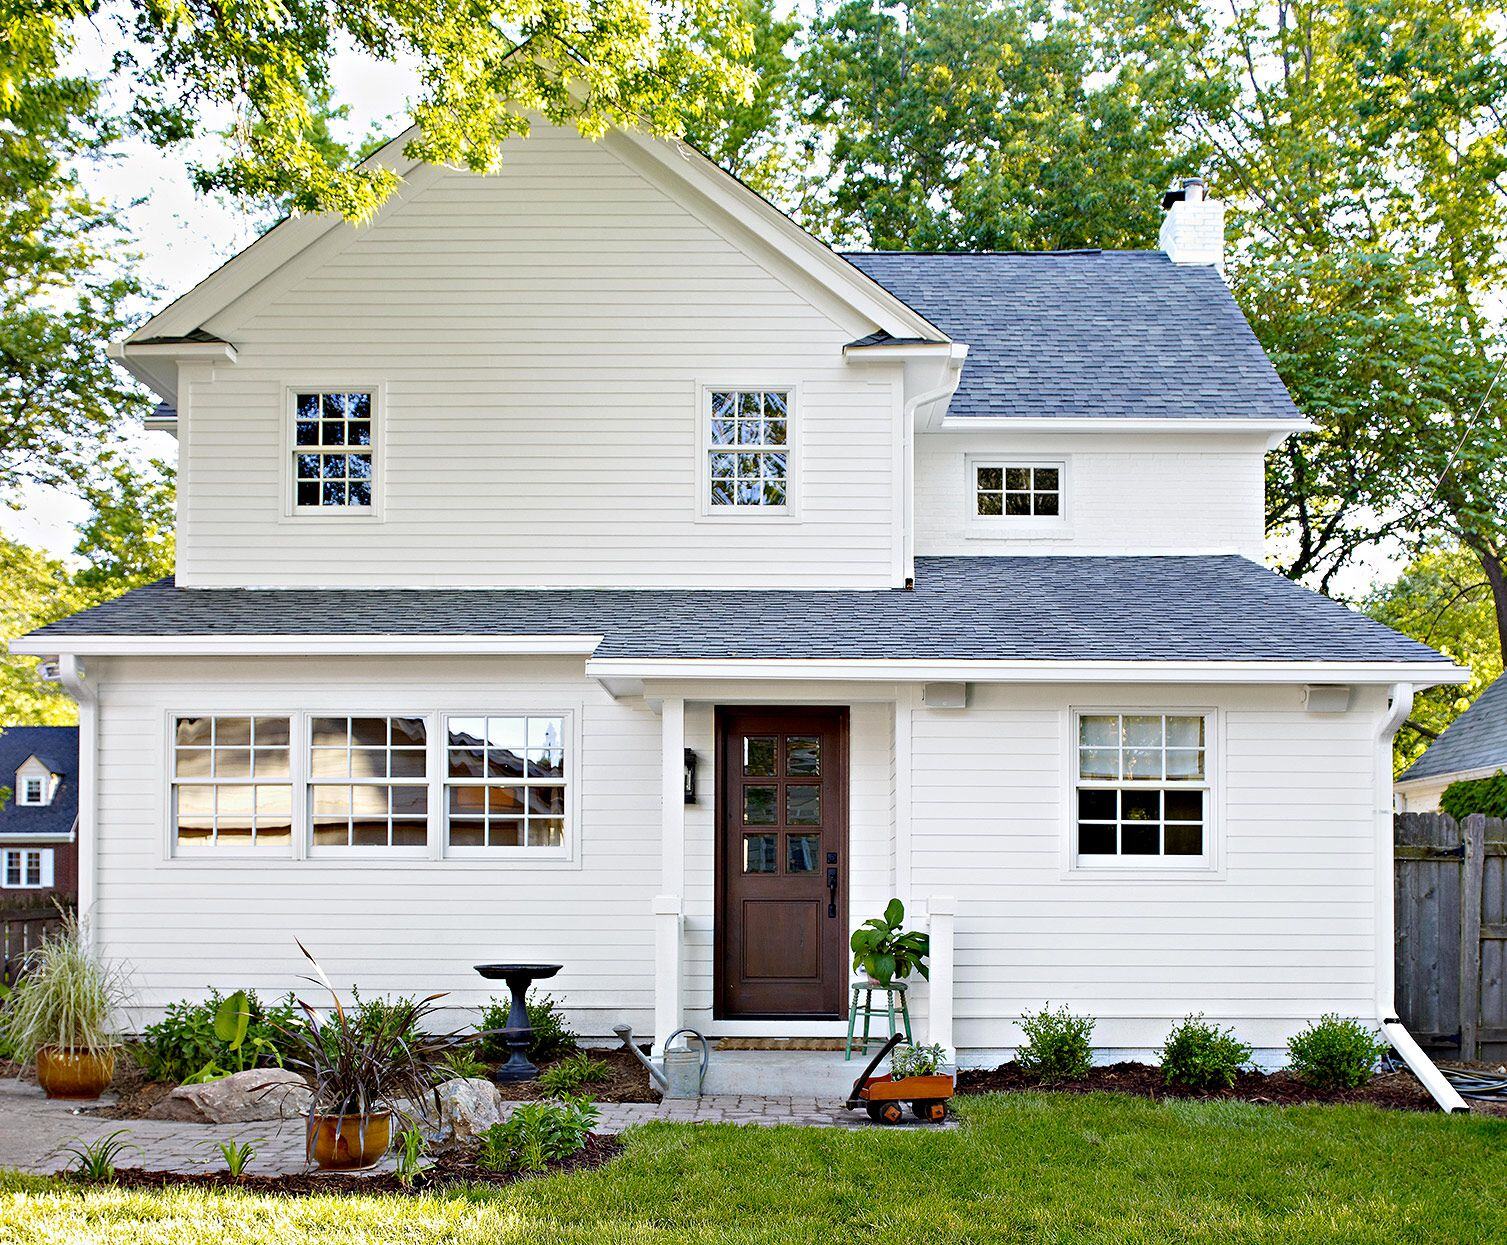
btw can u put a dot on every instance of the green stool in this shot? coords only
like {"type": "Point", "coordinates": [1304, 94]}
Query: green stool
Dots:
{"type": "Point", "coordinates": [868, 989]}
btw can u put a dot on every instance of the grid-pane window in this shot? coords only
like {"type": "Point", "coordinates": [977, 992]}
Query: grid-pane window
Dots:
{"type": "Point", "coordinates": [749, 448]}
{"type": "Point", "coordinates": [27, 868]}
{"type": "Point", "coordinates": [1003, 490]}
{"type": "Point", "coordinates": [332, 451]}
{"type": "Point", "coordinates": [368, 782]}
{"type": "Point", "coordinates": [230, 783]}
{"type": "Point", "coordinates": [505, 781]}
{"type": "Point", "coordinates": [33, 790]}
{"type": "Point", "coordinates": [1143, 789]}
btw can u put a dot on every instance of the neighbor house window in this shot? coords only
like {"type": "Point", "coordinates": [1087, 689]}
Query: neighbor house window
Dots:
{"type": "Point", "coordinates": [1142, 788]}
{"type": "Point", "coordinates": [505, 781]}
{"type": "Point", "coordinates": [231, 787]}
{"type": "Point", "coordinates": [748, 449]}
{"type": "Point", "coordinates": [333, 451]}
{"type": "Point", "coordinates": [33, 790]}
{"type": "Point", "coordinates": [368, 782]}
{"type": "Point", "coordinates": [1017, 491]}
{"type": "Point", "coordinates": [28, 868]}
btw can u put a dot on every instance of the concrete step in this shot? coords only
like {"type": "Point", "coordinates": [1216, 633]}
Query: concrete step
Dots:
{"type": "Point", "coordinates": [782, 1073]}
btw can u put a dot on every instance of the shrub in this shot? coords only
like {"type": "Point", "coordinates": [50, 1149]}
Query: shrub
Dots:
{"type": "Point", "coordinates": [571, 1073]}
{"type": "Point", "coordinates": [460, 1062]}
{"type": "Point", "coordinates": [1199, 1055]}
{"type": "Point", "coordinates": [1335, 1054]}
{"type": "Point", "coordinates": [916, 1061]}
{"type": "Point", "coordinates": [536, 1134]}
{"type": "Point", "coordinates": [66, 997]}
{"type": "Point", "coordinates": [552, 1036]}
{"type": "Point", "coordinates": [1057, 1045]}
{"type": "Point", "coordinates": [184, 1045]}
{"type": "Point", "coordinates": [1487, 796]}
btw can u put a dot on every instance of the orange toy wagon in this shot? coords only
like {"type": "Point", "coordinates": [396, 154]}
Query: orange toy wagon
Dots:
{"type": "Point", "coordinates": [884, 1097]}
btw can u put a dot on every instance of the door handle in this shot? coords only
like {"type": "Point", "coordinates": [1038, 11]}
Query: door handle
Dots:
{"type": "Point", "coordinates": [832, 890]}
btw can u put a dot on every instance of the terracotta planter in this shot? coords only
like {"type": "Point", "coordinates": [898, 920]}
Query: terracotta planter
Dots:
{"type": "Point", "coordinates": [349, 1142]}
{"type": "Point", "coordinates": [74, 1074]}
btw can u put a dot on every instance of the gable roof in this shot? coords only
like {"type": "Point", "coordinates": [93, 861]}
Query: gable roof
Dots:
{"type": "Point", "coordinates": [1089, 334]}
{"type": "Point", "coordinates": [1476, 740]}
{"type": "Point", "coordinates": [1028, 609]}
{"type": "Point", "coordinates": [57, 748]}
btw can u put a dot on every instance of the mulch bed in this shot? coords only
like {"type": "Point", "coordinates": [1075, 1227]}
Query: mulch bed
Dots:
{"type": "Point", "coordinates": [137, 1096]}
{"type": "Point", "coordinates": [627, 1081]}
{"type": "Point", "coordinates": [447, 1171]}
{"type": "Point", "coordinates": [1397, 1091]}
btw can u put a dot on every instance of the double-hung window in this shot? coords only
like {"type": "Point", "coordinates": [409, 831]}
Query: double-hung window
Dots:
{"type": "Point", "coordinates": [368, 782]}
{"type": "Point", "coordinates": [334, 451]}
{"type": "Point", "coordinates": [26, 868]}
{"type": "Point", "coordinates": [231, 788]}
{"type": "Point", "coordinates": [506, 782]}
{"type": "Point", "coordinates": [747, 447]}
{"type": "Point", "coordinates": [1142, 790]}
{"type": "Point", "coordinates": [33, 790]}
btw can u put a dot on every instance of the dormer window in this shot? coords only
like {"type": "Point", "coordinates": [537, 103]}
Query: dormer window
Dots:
{"type": "Point", "coordinates": [334, 451]}
{"type": "Point", "coordinates": [746, 455]}
{"type": "Point", "coordinates": [33, 790]}
{"type": "Point", "coordinates": [34, 784]}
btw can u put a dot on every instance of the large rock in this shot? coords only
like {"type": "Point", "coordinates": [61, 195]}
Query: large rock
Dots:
{"type": "Point", "coordinates": [256, 1094]}
{"type": "Point", "coordinates": [468, 1107]}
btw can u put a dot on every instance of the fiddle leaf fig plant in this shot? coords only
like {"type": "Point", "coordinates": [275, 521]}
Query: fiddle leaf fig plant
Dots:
{"type": "Point", "coordinates": [885, 951]}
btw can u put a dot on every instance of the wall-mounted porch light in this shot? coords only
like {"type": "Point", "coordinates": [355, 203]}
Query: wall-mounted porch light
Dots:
{"type": "Point", "coordinates": [690, 776]}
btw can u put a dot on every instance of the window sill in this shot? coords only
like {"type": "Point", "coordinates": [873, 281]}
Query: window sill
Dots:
{"type": "Point", "coordinates": [1203, 871]}
{"type": "Point", "coordinates": [750, 514]}
{"type": "Point", "coordinates": [1023, 531]}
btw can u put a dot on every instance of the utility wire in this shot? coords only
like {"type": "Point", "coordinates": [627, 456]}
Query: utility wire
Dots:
{"type": "Point", "coordinates": [1470, 425]}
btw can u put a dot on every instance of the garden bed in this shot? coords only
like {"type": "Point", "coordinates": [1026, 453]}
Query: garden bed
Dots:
{"type": "Point", "coordinates": [1396, 1091]}
{"type": "Point", "coordinates": [446, 1170]}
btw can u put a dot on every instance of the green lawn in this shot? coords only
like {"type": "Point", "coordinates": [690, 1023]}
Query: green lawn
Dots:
{"type": "Point", "coordinates": [1033, 1168]}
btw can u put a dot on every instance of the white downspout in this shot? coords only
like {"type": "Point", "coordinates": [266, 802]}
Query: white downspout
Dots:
{"type": "Point", "coordinates": [952, 376]}
{"type": "Point", "coordinates": [1402, 1041]}
{"type": "Point", "coordinates": [75, 681]}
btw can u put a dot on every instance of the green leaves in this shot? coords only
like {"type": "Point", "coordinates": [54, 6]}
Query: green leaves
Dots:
{"type": "Point", "coordinates": [883, 951]}
{"type": "Point", "coordinates": [232, 1019]}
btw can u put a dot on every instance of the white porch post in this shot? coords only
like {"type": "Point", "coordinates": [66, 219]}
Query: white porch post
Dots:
{"type": "Point", "coordinates": [941, 912]}
{"type": "Point", "coordinates": [669, 903]}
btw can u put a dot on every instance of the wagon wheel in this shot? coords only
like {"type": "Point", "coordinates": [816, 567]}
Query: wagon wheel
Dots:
{"type": "Point", "coordinates": [886, 1112]}
{"type": "Point", "coordinates": [932, 1110]}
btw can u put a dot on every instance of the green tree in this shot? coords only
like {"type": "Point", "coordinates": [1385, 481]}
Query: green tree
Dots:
{"type": "Point", "coordinates": [129, 537]}
{"type": "Point", "coordinates": [38, 590]}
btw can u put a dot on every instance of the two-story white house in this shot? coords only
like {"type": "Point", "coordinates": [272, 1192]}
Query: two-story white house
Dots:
{"type": "Point", "coordinates": [583, 564]}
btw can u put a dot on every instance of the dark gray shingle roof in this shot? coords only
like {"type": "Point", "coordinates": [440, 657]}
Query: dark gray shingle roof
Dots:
{"type": "Point", "coordinates": [1477, 739]}
{"type": "Point", "coordinates": [1089, 334]}
{"type": "Point", "coordinates": [1222, 608]}
{"type": "Point", "coordinates": [55, 746]}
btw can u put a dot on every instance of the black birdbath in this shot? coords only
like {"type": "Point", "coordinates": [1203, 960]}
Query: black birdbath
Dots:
{"type": "Point", "coordinates": [519, 1034]}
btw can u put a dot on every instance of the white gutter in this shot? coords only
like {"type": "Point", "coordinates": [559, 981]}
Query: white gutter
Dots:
{"type": "Point", "coordinates": [1422, 1066]}
{"type": "Point", "coordinates": [75, 681]}
{"type": "Point", "coordinates": [417, 644]}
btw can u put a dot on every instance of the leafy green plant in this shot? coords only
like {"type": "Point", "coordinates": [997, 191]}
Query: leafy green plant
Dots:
{"type": "Point", "coordinates": [572, 1072]}
{"type": "Point", "coordinates": [1199, 1055]}
{"type": "Point", "coordinates": [1057, 1046]}
{"type": "Point", "coordinates": [1487, 796]}
{"type": "Point", "coordinates": [460, 1062]}
{"type": "Point", "coordinates": [95, 1161]}
{"type": "Point", "coordinates": [237, 1156]}
{"type": "Point", "coordinates": [218, 1035]}
{"type": "Point", "coordinates": [65, 997]}
{"type": "Point", "coordinates": [536, 1134]}
{"type": "Point", "coordinates": [916, 1061]}
{"type": "Point", "coordinates": [412, 1148]}
{"type": "Point", "coordinates": [885, 951]}
{"type": "Point", "coordinates": [552, 1036]}
{"type": "Point", "coordinates": [1335, 1054]}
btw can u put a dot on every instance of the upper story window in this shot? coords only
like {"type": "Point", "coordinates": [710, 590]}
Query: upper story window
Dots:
{"type": "Point", "coordinates": [33, 784]}
{"type": "Point", "coordinates": [1017, 490]}
{"type": "Point", "coordinates": [368, 782]}
{"type": "Point", "coordinates": [1142, 791]}
{"type": "Point", "coordinates": [748, 449]}
{"type": "Point", "coordinates": [26, 868]}
{"type": "Point", "coordinates": [333, 450]}
{"type": "Point", "coordinates": [231, 787]}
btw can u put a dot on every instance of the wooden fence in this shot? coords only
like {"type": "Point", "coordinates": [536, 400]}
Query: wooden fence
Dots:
{"type": "Point", "coordinates": [1451, 886]}
{"type": "Point", "coordinates": [21, 929]}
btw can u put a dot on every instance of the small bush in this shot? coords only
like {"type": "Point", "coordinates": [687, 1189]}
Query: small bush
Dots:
{"type": "Point", "coordinates": [183, 1044]}
{"type": "Point", "coordinates": [916, 1061]}
{"type": "Point", "coordinates": [1057, 1045]}
{"type": "Point", "coordinates": [536, 1134]}
{"type": "Point", "coordinates": [1487, 796]}
{"type": "Point", "coordinates": [552, 1036]}
{"type": "Point", "coordinates": [460, 1062]}
{"type": "Point", "coordinates": [571, 1073]}
{"type": "Point", "coordinates": [1199, 1055]}
{"type": "Point", "coordinates": [1335, 1054]}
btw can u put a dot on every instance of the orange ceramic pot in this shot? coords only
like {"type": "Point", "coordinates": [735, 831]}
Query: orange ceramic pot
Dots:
{"type": "Point", "coordinates": [349, 1142]}
{"type": "Point", "coordinates": [74, 1073]}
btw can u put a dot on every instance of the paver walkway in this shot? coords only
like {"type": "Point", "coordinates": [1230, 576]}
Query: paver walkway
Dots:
{"type": "Point", "coordinates": [33, 1130]}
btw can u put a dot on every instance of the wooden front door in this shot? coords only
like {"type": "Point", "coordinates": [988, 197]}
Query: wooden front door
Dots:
{"type": "Point", "coordinates": [782, 869]}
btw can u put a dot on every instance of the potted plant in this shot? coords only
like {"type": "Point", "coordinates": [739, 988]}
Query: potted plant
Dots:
{"type": "Point", "coordinates": [61, 1011]}
{"type": "Point", "coordinates": [885, 952]}
{"type": "Point", "coordinates": [362, 1065]}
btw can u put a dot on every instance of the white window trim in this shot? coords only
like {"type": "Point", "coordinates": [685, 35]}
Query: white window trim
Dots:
{"type": "Point", "coordinates": [45, 873]}
{"type": "Point", "coordinates": [790, 512]}
{"type": "Point", "coordinates": [176, 851]}
{"type": "Point", "coordinates": [376, 512]}
{"type": "Point", "coordinates": [1208, 866]}
{"type": "Point", "coordinates": [44, 789]}
{"type": "Point", "coordinates": [566, 852]}
{"type": "Point", "coordinates": [1017, 527]}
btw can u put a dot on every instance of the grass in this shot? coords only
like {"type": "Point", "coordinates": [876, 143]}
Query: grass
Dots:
{"type": "Point", "coordinates": [1038, 1168]}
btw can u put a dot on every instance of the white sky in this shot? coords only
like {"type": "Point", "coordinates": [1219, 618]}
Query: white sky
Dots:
{"type": "Point", "coordinates": [183, 236]}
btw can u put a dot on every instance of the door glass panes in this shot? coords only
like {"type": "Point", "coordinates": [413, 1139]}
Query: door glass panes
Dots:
{"type": "Point", "coordinates": [803, 805]}
{"type": "Point", "coordinates": [759, 853]}
{"type": "Point", "coordinates": [802, 852]}
{"type": "Point", "coordinates": [759, 753]}
{"type": "Point", "coordinates": [803, 755]}
{"type": "Point", "coordinates": [759, 806]}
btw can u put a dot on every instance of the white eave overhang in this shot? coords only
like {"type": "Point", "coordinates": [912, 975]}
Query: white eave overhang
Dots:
{"type": "Point", "coordinates": [1275, 431]}
{"type": "Point", "coordinates": [308, 645]}
{"type": "Point", "coordinates": [156, 363]}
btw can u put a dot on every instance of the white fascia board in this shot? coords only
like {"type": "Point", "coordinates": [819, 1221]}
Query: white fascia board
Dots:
{"type": "Point", "coordinates": [902, 352]}
{"type": "Point", "coordinates": [1449, 776]}
{"type": "Point", "coordinates": [1421, 674]}
{"type": "Point", "coordinates": [304, 645]}
{"type": "Point", "coordinates": [1278, 428]}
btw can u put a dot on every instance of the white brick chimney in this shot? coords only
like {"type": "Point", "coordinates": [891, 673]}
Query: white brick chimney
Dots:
{"type": "Point", "coordinates": [1193, 229]}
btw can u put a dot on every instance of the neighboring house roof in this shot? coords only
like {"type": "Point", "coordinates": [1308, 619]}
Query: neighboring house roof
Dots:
{"type": "Point", "coordinates": [1476, 740]}
{"type": "Point", "coordinates": [57, 748]}
{"type": "Point", "coordinates": [1214, 608]}
{"type": "Point", "coordinates": [1089, 334]}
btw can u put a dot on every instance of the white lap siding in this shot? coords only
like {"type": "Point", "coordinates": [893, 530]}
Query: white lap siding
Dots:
{"type": "Point", "coordinates": [1283, 933]}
